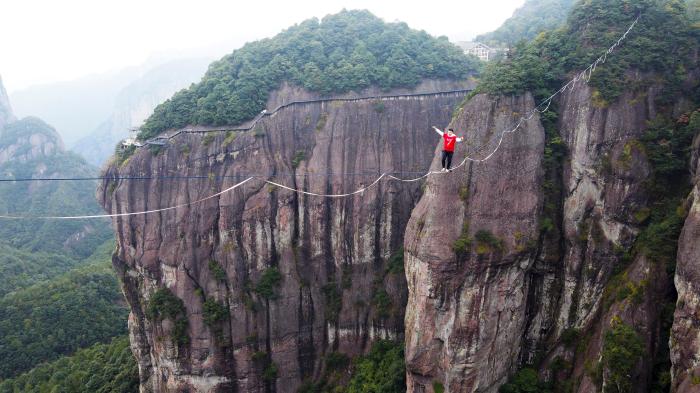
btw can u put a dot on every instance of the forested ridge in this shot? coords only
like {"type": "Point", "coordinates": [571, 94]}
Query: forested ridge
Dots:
{"type": "Point", "coordinates": [23, 159]}
{"type": "Point", "coordinates": [534, 17]}
{"type": "Point", "coordinates": [351, 50]}
{"type": "Point", "coordinates": [661, 42]}
{"type": "Point", "coordinates": [58, 316]}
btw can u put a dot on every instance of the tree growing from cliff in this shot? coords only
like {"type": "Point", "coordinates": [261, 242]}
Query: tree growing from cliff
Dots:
{"type": "Point", "coordinates": [163, 304]}
{"type": "Point", "coordinates": [347, 51]}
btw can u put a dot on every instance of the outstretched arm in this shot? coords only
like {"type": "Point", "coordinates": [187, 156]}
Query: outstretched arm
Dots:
{"type": "Point", "coordinates": [438, 131]}
{"type": "Point", "coordinates": [460, 139]}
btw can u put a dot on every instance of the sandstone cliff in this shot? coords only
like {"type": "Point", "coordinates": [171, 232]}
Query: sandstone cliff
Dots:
{"type": "Point", "coordinates": [685, 344]}
{"type": "Point", "coordinates": [341, 283]}
{"type": "Point", "coordinates": [533, 259]}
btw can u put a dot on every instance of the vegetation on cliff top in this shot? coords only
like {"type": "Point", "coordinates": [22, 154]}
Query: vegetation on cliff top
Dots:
{"type": "Point", "coordinates": [534, 17]}
{"type": "Point", "coordinates": [661, 42]}
{"type": "Point", "coordinates": [347, 51]}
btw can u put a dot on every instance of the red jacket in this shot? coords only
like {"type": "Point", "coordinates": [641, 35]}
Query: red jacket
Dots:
{"type": "Point", "coordinates": [449, 142]}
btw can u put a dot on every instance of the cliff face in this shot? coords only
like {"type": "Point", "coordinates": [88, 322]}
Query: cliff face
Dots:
{"type": "Point", "coordinates": [516, 260]}
{"type": "Point", "coordinates": [465, 309]}
{"type": "Point", "coordinates": [339, 290]}
{"type": "Point", "coordinates": [685, 344]}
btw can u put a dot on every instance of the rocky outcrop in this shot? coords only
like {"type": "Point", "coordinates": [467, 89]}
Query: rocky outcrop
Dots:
{"type": "Point", "coordinates": [341, 284]}
{"type": "Point", "coordinates": [28, 140]}
{"type": "Point", "coordinates": [514, 261]}
{"type": "Point", "coordinates": [6, 115]}
{"type": "Point", "coordinates": [685, 342]}
{"type": "Point", "coordinates": [468, 250]}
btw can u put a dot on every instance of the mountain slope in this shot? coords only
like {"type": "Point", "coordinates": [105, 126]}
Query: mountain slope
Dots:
{"type": "Point", "coordinates": [351, 50]}
{"type": "Point", "coordinates": [30, 148]}
{"type": "Point", "coordinates": [534, 17]}
{"type": "Point", "coordinates": [59, 316]}
{"type": "Point", "coordinates": [101, 368]}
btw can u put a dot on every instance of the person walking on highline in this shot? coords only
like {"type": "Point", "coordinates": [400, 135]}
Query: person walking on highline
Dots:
{"type": "Point", "coordinates": [448, 149]}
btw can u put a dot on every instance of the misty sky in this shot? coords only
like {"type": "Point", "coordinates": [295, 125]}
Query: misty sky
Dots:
{"type": "Point", "coordinates": [47, 41]}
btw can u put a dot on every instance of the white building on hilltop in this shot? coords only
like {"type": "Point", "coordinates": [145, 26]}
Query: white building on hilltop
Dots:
{"type": "Point", "coordinates": [482, 51]}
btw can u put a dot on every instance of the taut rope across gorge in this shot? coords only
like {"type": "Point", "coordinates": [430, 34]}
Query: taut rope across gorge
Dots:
{"type": "Point", "coordinates": [542, 107]}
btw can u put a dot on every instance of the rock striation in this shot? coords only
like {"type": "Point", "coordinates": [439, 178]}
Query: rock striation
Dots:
{"type": "Point", "coordinates": [295, 277]}
{"type": "Point", "coordinates": [515, 261]}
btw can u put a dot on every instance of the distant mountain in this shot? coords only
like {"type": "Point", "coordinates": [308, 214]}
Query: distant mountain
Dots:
{"type": "Point", "coordinates": [30, 148]}
{"type": "Point", "coordinates": [534, 17]}
{"type": "Point", "coordinates": [74, 107]}
{"type": "Point", "coordinates": [136, 102]}
{"type": "Point", "coordinates": [78, 107]}
{"type": "Point", "coordinates": [6, 114]}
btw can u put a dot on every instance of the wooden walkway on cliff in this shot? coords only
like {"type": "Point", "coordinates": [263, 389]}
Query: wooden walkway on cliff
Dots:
{"type": "Point", "coordinates": [249, 125]}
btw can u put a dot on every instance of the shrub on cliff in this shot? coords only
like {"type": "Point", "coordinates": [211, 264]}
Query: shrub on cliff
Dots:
{"type": "Point", "coordinates": [347, 51]}
{"type": "Point", "coordinates": [214, 312]}
{"type": "Point", "coordinates": [268, 283]}
{"type": "Point", "coordinates": [164, 304]}
{"type": "Point", "coordinates": [622, 349]}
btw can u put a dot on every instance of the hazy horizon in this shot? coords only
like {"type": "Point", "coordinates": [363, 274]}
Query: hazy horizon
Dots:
{"type": "Point", "coordinates": [78, 38]}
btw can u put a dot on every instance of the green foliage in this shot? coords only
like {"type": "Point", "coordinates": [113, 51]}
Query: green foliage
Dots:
{"type": "Point", "coordinates": [381, 371]}
{"type": "Point", "coordinates": [333, 301]}
{"type": "Point", "coordinates": [525, 381]}
{"type": "Point", "coordinates": [464, 193]}
{"type": "Point", "coordinates": [438, 387]}
{"type": "Point", "coordinates": [622, 349]}
{"type": "Point", "coordinates": [382, 303]}
{"type": "Point", "coordinates": [101, 368]}
{"type": "Point", "coordinates": [667, 148]}
{"type": "Point", "coordinates": [570, 336]}
{"type": "Point", "coordinates": [70, 237]}
{"type": "Point", "coordinates": [164, 304]}
{"type": "Point", "coordinates": [462, 246]}
{"type": "Point", "coordinates": [20, 269]}
{"type": "Point", "coordinates": [47, 320]}
{"type": "Point", "coordinates": [396, 265]}
{"type": "Point", "coordinates": [337, 361]}
{"type": "Point", "coordinates": [347, 51]}
{"type": "Point", "coordinates": [660, 43]}
{"type": "Point", "coordinates": [270, 372]}
{"type": "Point", "coordinates": [534, 17]}
{"type": "Point", "coordinates": [269, 281]}
{"type": "Point", "coordinates": [208, 139]}
{"type": "Point", "coordinates": [230, 137]}
{"type": "Point", "coordinates": [378, 106]}
{"type": "Point", "coordinates": [299, 156]}
{"type": "Point", "coordinates": [486, 242]}
{"type": "Point", "coordinates": [216, 270]}
{"type": "Point", "coordinates": [214, 312]}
